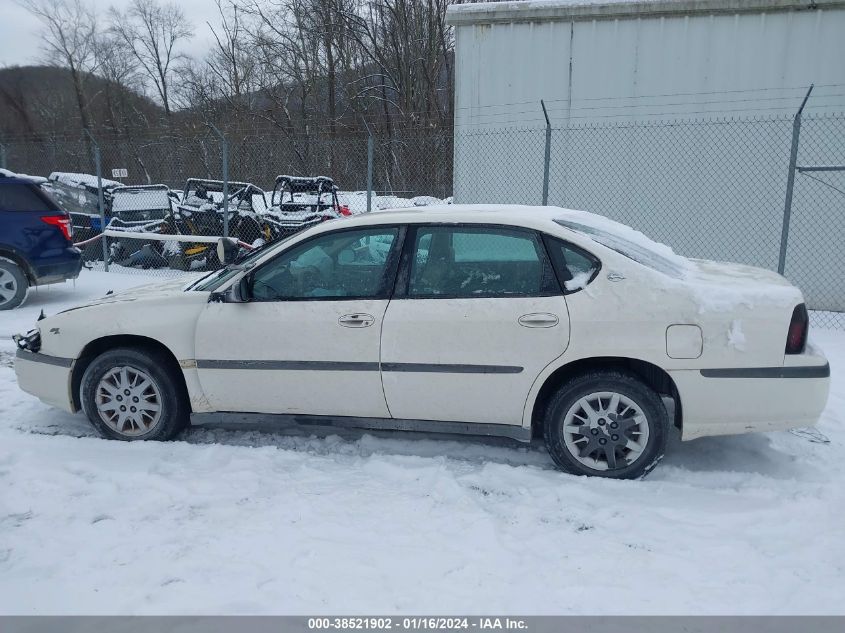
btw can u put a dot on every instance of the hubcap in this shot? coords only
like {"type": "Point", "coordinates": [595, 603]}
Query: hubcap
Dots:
{"type": "Point", "coordinates": [128, 401]}
{"type": "Point", "coordinates": [8, 286]}
{"type": "Point", "coordinates": [605, 431]}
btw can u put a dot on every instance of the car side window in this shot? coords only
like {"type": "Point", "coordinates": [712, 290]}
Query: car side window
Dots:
{"type": "Point", "coordinates": [340, 265]}
{"type": "Point", "coordinates": [21, 197]}
{"type": "Point", "coordinates": [575, 267]}
{"type": "Point", "coordinates": [457, 261]}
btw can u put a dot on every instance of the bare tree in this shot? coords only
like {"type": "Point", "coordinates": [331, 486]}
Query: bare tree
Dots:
{"type": "Point", "coordinates": [116, 62]}
{"type": "Point", "coordinates": [407, 44]}
{"type": "Point", "coordinates": [232, 67]}
{"type": "Point", "coordinates": [152, 32]}
{"type": "Point", "coordinates": [69, 39]}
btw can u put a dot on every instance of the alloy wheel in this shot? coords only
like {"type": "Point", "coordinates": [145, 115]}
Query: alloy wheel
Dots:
{"type": "Point", "coordinates": [8, 286]}
{"type": "Point", "coordinates": [128, 401]}
{"type": "Point", "coordinates": [605, 431]}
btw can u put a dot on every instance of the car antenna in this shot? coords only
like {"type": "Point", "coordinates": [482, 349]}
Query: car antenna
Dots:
{"type": "Point", "coordinates": [42, 316]}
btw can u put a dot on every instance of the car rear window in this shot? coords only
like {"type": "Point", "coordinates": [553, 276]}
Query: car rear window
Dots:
{"type": "Point", "coordinates": [640, 251]}
{"type": "Point", "coordinates": [22, 197]}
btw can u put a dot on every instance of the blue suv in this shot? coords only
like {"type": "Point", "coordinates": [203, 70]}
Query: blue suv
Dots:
{"type": "Point", "coordinates": [35, 240]}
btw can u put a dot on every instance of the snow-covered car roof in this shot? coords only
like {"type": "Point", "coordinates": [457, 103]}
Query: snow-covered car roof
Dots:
{"type": "Point", "coordinates": [599, 229]}
{"type": "Point", "coordinates": [81, 180]}
{"type": "Point", "coordinates": [10, 174]}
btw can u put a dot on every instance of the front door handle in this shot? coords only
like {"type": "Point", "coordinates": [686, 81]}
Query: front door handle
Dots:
{"type": "Point", "coordinates": [539, 319]}
{"type": "Point", "coordinates": [356, 320]}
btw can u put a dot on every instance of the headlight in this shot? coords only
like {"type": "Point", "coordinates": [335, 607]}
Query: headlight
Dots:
{"type": "Point", "coordinates": [31, 341]}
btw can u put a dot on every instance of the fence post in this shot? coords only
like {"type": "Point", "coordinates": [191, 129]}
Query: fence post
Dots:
{"type": "Point", "coordinates": [548, 155]}
{"type": "Point", "coordinates": [369, 165]}
{"type": "Point", "coordinates": [225, 150]}
{"type": "Point", "coordinates": [369, 173]}
{"type": "Point", "coordinates": [790, 183]}
{"type": "Point", "coordinates": [98, 166]}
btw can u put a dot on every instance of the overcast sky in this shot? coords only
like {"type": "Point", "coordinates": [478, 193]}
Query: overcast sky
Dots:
{"type": "Point", "coordinates": [20, 43]}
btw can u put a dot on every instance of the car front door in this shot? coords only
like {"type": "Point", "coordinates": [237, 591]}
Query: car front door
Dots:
{"type": "Point", "coordinates": [477, 316]}
{"type": "Point", "coordinates": [307, 340]}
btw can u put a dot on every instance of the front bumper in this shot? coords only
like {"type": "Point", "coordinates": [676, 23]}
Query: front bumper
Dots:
{"type": "Point", "coordinates": [48, 378]}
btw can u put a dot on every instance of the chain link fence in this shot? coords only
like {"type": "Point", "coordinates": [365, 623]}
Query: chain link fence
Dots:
{"type": "Point", "coordinates": [712, 189]}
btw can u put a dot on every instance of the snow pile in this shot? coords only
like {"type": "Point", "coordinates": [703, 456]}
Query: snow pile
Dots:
{"type": "Point", "coordinates": [357, 201]}
{"type": "Point", "coordinates": [726, 287]}
{"type": "Point", "coordinates": [627, 241]}
{"type": "Point", "coordinates": [578, 281]}
{"type": "Point", "coordinates": [263, 519]}
{"type": "Point", "coordinates": [736, 337]}
{"type": "Point", "coordinates": [715, 286]}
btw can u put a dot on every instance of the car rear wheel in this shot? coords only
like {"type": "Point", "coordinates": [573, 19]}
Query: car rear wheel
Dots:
{"type": "Point", "coordinates": [133, 394]}
{"type": "Point", "coordinates": [606, 424]}
{"type": "Point", "coordinates": [13, 285]}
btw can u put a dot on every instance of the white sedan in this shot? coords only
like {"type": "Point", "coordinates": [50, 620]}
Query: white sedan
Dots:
{"type": "Point", "coordinates": [523, 322]}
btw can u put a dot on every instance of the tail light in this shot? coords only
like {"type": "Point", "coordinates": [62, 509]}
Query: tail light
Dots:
{"type": "Point", "coordinates": [344, 210]}
{"type": "Point", "coordinates": [61, 222]}
{"type": "Point", "coordinates": [796, 339]}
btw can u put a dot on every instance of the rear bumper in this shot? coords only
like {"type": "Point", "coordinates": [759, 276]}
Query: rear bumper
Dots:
{"type": "Point", "coordinates": [60, 268]}
{"type": "Point", "coordinates": [48, 378]}
{"type": "Point", "coordinates": [746, 400]}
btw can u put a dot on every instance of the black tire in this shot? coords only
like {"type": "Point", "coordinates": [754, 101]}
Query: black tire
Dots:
{"type": "Point", "coordinates": [15, 285]}
{"type": "Point", "coordinates": [632, 388]}
{"type": "Point", "coordinates": [175, 409]}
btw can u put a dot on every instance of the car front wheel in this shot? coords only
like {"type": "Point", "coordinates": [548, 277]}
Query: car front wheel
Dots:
{"type": "Point", "coordinates": [133, 394]}
{"type": "Point", "coordinates": [606, 424]}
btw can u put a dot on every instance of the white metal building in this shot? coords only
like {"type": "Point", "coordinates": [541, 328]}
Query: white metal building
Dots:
{"type": "Point", "coordinates": [622, 80]}
{"type": "Point", "coordinates": [664, 58]}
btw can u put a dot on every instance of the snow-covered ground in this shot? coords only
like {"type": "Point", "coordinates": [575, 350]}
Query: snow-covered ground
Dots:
{"type": "Point", "coordinates": [232, 520]}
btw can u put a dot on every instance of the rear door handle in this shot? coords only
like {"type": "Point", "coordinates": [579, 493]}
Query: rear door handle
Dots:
{"type": "Point", "coordinates": [356, 320]}
{"type": "Point", "coordinates": [539, 319]}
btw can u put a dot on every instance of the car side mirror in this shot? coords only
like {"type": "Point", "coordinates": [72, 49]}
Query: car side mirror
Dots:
{"type": "Point", "coordinates": [227, 250]}
{"type": "Point", "coordinates": [244, 287]}
{"type": "Point", "coordinates": [240, 292]}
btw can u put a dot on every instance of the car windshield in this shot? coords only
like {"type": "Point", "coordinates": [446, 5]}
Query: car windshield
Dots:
{"type": "Point", "coordinates": [140, 199]}
{"type": "Point", "coordinates": [643, 251]}
{"type": "Point", "coordinates": [213, 281]}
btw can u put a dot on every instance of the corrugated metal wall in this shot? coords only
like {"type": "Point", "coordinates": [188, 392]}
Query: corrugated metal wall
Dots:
{"type": "Point", "coordinates": [651, 67]}
{"type": "Point", "coordinates": [616, 88]}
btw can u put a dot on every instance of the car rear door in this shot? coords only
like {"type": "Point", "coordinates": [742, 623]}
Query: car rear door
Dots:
{"type": "Point", "coordinates": [308, 341]}
{"type": "Point", "coordinates": [477, 315]}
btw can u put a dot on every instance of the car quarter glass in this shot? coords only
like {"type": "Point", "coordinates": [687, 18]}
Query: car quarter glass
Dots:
{"type": "Point", "coordinates": [574, 267]}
